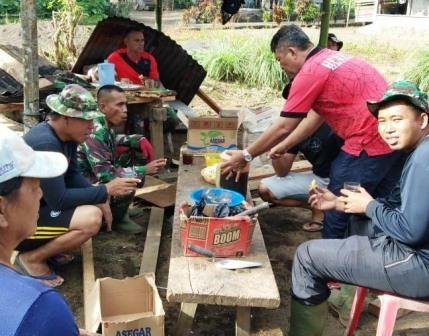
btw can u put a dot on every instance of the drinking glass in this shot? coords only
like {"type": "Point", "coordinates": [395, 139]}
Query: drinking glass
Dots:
{"type": "Point", "coordinates": [352, 186]}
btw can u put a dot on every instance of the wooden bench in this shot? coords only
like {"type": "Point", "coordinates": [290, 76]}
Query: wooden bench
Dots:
{"type": "Point", "coordinates": [194, 280]}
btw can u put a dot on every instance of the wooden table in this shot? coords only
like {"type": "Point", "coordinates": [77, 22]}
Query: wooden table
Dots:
{"type": "Point", "coordinates": [194, 280]}
{"type": "Point", "coordinates": [150, 108]}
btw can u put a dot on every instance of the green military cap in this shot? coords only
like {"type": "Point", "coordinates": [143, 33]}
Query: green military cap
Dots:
{"type": "Point", "coordinates": [74, 101]}
{"type": "Point", "coordinates": [404, 90]}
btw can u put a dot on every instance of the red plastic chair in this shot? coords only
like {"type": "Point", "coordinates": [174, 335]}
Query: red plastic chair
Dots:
{"type": "Point", "coordinates": [389, 306]}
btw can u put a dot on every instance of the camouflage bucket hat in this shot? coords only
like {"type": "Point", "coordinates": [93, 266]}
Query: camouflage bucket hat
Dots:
{"type": "Point", "coordinates": [74, 101]}
{"type": "Point", "coordinates": [404, 90]}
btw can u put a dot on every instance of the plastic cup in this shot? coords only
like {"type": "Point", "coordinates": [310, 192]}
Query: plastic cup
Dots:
{"type": "Point", "coordinates": [187, 157]}
{"type": "Point", "coordinates": [212, 159]}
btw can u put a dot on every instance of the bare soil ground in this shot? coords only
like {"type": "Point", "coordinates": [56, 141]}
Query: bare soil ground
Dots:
{"type": "Point", "coordinates": [118, 255]}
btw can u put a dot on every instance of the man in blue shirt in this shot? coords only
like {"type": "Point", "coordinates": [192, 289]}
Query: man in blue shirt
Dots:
{"type": "Point", "coordinates": [27, 307]}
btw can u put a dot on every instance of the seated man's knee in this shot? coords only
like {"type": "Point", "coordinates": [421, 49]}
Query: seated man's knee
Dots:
{"type": "Point", "coordinates": [88, 220]}
{"type": "Point", "coordinates": [265, 193]}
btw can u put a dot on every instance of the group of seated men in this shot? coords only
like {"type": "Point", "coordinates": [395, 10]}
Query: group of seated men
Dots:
{"type": "Point", "coordinates": [375, 236]}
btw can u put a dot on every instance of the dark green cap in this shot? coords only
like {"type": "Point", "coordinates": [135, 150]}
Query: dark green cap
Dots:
{"type": "Point", "coordinates": [402, 90]}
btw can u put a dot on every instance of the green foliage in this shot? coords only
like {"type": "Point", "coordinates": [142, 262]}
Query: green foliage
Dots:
{"type": "Point", "coordinates": [243, 60]}
{"type": "Point", "coordinates": [310, 14]}
{"type": "Point", "coordinates": [206, 11]}
{"type": "Point", "coordinates": [289, 8]}
{"type": "Point", "coordinates": [94, 7]}
{"type": "Point", "coordinates": [278, 14]}
{"type": "Point", "coordinates": [267, 16]}
{"type": "Point", "coordinates": [420, 72]}
{"type": "Point", "coordinates": [9, 7]}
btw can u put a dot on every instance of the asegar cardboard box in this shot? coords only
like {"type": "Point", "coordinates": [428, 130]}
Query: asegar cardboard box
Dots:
{"type": "Point", "coordinates": [216, 131]}
{"type": "Point", "coordinates": [225, 237]}
{"type": "Point", "coordinates": [127, 307]}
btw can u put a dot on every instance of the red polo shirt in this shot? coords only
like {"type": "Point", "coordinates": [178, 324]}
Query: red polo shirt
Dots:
{"type": "Point", "coordinates": [337, 87]}
{"type": "Point", "coordinates": [124, 70]}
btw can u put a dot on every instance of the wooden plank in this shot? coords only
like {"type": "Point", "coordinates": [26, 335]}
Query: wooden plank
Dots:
{"type": "Point", "coordinates": [151, 184]}
{"type": "Point", "coordinates": [153, 239]}
{"type": "Point", "coordinates": [242, 321]}
{"type": "Point", "coordinates": [268, 170]}
{"type": "Point", "coordinates": [88, 277]}
{"type": "Point", "coordinates": [162, 198]}
{"type": "Point", "coordinates": [210, 102]}
{"type": "Point", "coordinates": [186, 318]}
{"type": "Point", "coordinates": [12, 107]}
{"type": "Point", "coordinates": [157, 138]}
{"type": "Point", "coordinates": [196, 280]}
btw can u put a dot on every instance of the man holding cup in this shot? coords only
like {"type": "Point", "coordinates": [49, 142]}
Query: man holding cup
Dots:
{"type": "Point", "coordinates": [106, 155]}
{"type": "Point", "coordinates": [394, 257]}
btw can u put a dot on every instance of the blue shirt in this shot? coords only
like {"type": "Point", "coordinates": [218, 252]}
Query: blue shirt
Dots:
{"type": "Point", "coordinates": [29, 308]}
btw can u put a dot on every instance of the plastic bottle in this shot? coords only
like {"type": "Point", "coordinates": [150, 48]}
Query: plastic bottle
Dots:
{"type": "Point", "coordinates": [106, 73]}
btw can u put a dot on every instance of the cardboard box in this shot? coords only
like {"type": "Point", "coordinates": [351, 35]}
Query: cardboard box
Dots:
{"type": "Point", "coordinates": [130, 306]}
{"type": "Point", "coordinates": [217, 132]}
{"type": "Point", "coordinates": [225, 237]}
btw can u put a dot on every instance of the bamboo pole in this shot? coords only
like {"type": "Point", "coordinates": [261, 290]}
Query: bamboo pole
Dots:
{"type": "Point", "coordinates": [348, 13]}
{"type": "Point", "coordinates": [31, 63]}
{"type": "Point", "coordinates": [324, 25]}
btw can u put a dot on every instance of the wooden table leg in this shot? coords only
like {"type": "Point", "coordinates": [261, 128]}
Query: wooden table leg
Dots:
{"type": "Point", "coordinates": [186, 318]}
{"type": "Point", "coordinates": [157, 137]}
{"type": "Point", "coordinates": [242, 321]}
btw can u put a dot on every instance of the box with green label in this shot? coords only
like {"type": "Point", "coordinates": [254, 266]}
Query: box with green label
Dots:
{"type": "Point", "coordinates": [215, 133]}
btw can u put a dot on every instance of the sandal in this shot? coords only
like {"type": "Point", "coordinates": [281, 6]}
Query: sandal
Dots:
{"type": "Point", "coordinates": [312, 226]}
{"type": "Point", "coordinates": [60, 259]}
{"type": "Point", "coordinates": [46, 279]}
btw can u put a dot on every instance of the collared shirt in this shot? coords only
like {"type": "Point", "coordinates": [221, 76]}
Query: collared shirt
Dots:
{"type": "Point", "coordinates": [337, 86]}
{"type": "Point", "coordinates": [124, 70]}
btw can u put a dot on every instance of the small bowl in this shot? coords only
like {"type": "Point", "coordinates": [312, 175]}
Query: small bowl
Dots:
{"type": "Point", "coordinates": [234, 198]}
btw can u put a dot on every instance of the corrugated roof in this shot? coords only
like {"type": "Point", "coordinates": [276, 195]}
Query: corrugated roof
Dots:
{"type": "Point", "coordinates": [178, 71]}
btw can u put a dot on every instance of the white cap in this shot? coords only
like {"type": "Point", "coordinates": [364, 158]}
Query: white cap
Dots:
{"type": "Point", "coordinates": [19, 159]}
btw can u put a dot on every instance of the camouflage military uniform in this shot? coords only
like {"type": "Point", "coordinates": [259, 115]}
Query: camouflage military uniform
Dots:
{"type": "Point", "coordinates": [97, 155]}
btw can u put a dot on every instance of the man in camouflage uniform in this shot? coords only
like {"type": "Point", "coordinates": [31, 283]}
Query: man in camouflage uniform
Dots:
{"type": "Point", "coordinates": [71, 209]}
{"type": "Point", "coordinates": [106, 155]}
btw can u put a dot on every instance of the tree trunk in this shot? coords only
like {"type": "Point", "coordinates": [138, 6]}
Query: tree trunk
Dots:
{"type": "Point", "coordinates": [31, 63]}
{"type": "Point", "coordinates": [324, 25]}
{"type": "Point", "coordinates": [158, 14]}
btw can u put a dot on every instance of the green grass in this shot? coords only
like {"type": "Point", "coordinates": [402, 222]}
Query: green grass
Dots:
{"type": "Point", "coordinates": [420, 72]}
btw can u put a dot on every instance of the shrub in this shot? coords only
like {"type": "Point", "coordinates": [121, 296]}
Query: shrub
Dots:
{"type": "Point", "coordinates": [278, 14]}
{"type": "Point", "coordinates": [266, 16]}
{"type": "Point", "coordinates": [420, 73]}
{"type": "Point", "coordinates": [246, 61]}
{"type": "Point", "coordinates": [206, 11]}
{"type": "Point", "coordinates": [289, 8]}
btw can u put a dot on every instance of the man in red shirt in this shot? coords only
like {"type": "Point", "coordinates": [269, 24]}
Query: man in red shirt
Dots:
{"type": "Point", "coordinates": [334, 87]}
{"type": "Point", "coordinates": [133, 62]}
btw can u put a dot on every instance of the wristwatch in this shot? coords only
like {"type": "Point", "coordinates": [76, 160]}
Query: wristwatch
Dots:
{"type": "Point", "coordinates": [247, 156]}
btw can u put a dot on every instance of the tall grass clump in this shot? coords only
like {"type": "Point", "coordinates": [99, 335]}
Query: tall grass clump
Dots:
{"type": "Point", "coordinates": [420, 72]}
{"type": "Point", "coordinates": [246, 61]}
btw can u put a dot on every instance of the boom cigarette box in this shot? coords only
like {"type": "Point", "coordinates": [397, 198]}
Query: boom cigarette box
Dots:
{"type": "Point", "coordinates": [212, 132]}
{"type": "Point", "coordinates": [225, 237]}
{"type": "Point", "coordinates": [130, 306]}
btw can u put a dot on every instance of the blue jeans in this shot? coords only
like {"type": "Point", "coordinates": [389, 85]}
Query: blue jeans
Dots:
{"type": "Point", "coordinates": [377, 174]}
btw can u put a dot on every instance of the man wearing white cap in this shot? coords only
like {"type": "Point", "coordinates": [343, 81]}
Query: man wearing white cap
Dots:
{"type": "Point", "coordinates": [26, 305]}
{"type": "Point", "coordinates": [71, 209]}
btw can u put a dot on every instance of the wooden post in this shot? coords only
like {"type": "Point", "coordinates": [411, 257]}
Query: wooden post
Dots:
{"type": "Point", "coordinates": [158, 14]}
{"type": "Point", "coordinates": [31, 63]}
{"type": "Point", "coordinates": [324, 25]}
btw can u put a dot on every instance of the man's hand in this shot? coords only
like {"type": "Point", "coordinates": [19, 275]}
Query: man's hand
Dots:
{"type": "Point", "coordinates": [121, 186]}
{"type": "Point", "coordinates": [235, 163]}
{"type": "Point", "coordinates": [279, 150]}
{"type": "Point", "coordinates": [107, 214]}
{"type": "Point", "coordinates": [323, 199]}
{"type": "Point", "coordinates": [355, 202]}
{"type": "Point", "coordinates": [154, 166]}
